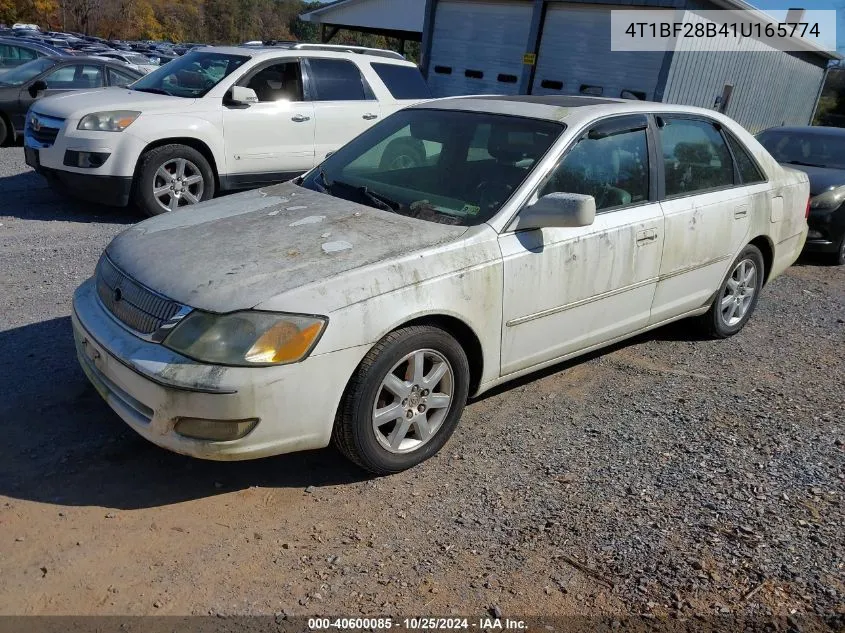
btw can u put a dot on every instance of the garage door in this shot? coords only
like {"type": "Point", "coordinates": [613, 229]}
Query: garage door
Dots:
{"type": "Point", "coordinates": [477, 47]}
{"type": "Point", "coordinates": [575, 56]}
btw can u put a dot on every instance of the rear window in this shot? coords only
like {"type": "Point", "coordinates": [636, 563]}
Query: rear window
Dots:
{"type": "Point", "coordinates": [403, 82]}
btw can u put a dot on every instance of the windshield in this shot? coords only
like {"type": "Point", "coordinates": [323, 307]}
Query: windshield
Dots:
{"type": "Point", "coordinates": [814, 149]}
{"type": "Point", "coordinates": [191, 76]}
{"type": "Point", "coordinates": [437, 165]}
{"type": "Point", "coordinates": [25, 72]}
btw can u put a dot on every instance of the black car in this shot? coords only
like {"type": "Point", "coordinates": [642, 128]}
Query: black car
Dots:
{"type": "Point", "coordinates": [20, 87]}
{"type": "Point", "coordinates": [15, 51]}
{"type": "Point", "coordinates": [820, 152]}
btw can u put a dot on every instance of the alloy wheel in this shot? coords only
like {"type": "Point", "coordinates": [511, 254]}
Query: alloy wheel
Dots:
{"type": "Point", "coordinates": [739, 293]}
{"type": "Point", "coordinates": [178, 182]}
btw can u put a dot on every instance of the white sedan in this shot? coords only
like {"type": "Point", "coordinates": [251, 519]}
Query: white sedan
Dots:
{"type": "Point", "coordinates": [364, 302]}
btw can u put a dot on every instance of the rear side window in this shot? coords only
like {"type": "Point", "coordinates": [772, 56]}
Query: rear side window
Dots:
{"type": "Point", "coordinates": [337, 80]}
{"type": "Point", "coordinates": [748, 170]}
{"type": "Point", "coordinates": [117, 78]}
{"type": "Point", "coordinates": [695, 157]}
{"type": "Point", "coordinates": [403, 82]}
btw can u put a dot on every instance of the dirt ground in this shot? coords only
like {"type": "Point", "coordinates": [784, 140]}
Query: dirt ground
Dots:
{"type": "Point", "coordinates": [667, 475]}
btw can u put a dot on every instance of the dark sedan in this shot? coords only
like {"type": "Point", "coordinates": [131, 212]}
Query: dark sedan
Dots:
{"type": "Point", "coordinates": [820, 152]}
{"type": "Point", "coordinates": [20, 87]}
{"type": "Point", "coordinates": [16, 51]}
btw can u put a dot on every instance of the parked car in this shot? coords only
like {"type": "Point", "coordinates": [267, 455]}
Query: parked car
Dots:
{"type": "Point", "coordinates": [820, 153]}
{"type": "Point", "coordinates": [218, 119]}
{"type": "Point", "coordinates": [15, 51]}
{"type": "Point", "coordinates": [45, 76]}
{"type": "Point", "coordinates": [139, 62]}
{"type": "Point", "coordinates": [363, 302]}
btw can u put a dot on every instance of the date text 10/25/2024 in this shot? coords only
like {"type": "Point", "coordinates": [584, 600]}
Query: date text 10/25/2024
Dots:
{"type": "Point", "coordinates": [417, 624]}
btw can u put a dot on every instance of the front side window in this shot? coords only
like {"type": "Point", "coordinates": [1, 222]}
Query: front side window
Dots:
{"type": "Point", "coordinates": [428, 164]}
{"type": "Point", "coordinates": [609, 162]}
{"type": "Point", "coordinates": [25, 72]}
{"type": "Point", "coordinates": [279, 82]}
{"type": "Point", "coordinates": [814, 149]}
{"type": "Point", "coordinates": [337, 80]}
{"type": "Point", "coordinates": [403, 82]}
{"type": "Point", "coordinates": [695, 157]}
{"type": "Point", "coordinates": [192, 75]}
{"type": "Point", "coordinates": [74, 77]}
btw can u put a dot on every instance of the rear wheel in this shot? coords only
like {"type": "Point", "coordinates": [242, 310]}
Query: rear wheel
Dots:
{"type": "Point", "coordinates": [735, 302]}
{"type": "Point", "coordinates": [172, 177]}
{"type": "Point", "coordinates": [404, 400]}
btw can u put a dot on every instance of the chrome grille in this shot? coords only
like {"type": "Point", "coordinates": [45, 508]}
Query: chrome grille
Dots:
{"type": "Point", "coordinates": [43, 129]}
{"type": "Point", "coordinates": [138, 307]}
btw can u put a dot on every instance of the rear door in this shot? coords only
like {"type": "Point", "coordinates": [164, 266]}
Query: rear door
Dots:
{"type": "Point", "coordinates": [274, 137]}
{"type": "Point", "coordinates": [344, 102]}
{"type": "Point", "coordinates": [708, 213]}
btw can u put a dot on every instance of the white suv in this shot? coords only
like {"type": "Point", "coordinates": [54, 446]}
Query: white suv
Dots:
{"type": "Point", "coordinates": [217, 119]}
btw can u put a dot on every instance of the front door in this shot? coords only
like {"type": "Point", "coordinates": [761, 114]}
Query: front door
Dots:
{"type": "Point", "coordinates": [708, 214]}
{"type": "Point", "coordinates": [273, 138]}
{"type": "Point", "coordinates": [66, 77]}
{"type": "Point", "coordinates": [568, 289]}
{"type": "Point", "coordinates": [343, 100]}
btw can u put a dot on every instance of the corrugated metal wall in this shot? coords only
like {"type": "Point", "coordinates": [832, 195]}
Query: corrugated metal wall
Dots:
{"type": "Point", "coordinates": [769, 87]}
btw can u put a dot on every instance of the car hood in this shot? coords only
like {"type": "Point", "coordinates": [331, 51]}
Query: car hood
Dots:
{"type": "Point", "coordinates": [821, 178]}
{"type": "Point", "coordinates": [75, 104]}
{"type": "Point", "coordinates": [238, 251]}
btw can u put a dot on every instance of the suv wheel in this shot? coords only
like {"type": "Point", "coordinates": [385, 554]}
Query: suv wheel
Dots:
{"type": "Point", "coordinates": [404, 400]}
{"type": "Point", "coordinates": [171, 177]}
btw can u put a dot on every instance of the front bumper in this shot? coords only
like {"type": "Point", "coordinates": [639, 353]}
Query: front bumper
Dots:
{"type": "Point", "coordinates": [109, 184]}
{"type": "Point", "coordinates": [150, 387]}
{"type": "Point", "coordinates": [827, 230]}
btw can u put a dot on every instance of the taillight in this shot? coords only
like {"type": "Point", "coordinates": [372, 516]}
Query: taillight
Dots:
{"type": "Point", "coordinates": [807, 212]}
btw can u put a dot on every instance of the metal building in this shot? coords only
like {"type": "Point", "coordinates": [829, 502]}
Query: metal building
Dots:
{"type": "Point", "coordinates": [563, 47]}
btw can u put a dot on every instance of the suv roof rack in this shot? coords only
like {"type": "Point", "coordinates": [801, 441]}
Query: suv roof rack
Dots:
{"type": "Point", "coordinates": [363, 50]}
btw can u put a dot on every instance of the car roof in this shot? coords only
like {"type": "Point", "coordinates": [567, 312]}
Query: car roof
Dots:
{"type": "Point", "coordinates": [809, 130]}
{"type": "Point", "coordinates": [560, 108]}
{"type": "Point", "coordinates": [281, 50]}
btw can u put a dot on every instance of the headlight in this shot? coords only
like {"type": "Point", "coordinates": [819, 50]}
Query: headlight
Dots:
{"type": "Point", "coordinates": [115, 121]}
{"type": "Point", "coordinates": [247, 339]}
{"type": "Point", "coordinates": [829, 199]}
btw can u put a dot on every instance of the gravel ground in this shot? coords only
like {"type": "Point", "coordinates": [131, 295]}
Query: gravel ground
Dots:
{"type": "Point", "coordinates": [665, 476]}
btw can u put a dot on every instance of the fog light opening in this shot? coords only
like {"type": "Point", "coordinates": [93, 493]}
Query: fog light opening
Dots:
{"type": "Point", "coordinates": [214, 430]}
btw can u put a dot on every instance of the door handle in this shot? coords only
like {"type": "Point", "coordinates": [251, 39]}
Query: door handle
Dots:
{"type": "Point", "coordinates": [370, 116]}
{"type": "Point", "coordinates": [646, 237]}
{"type": "Point", "coordinates": [741, 211]}
{"type": "Point", "coordinates": [300, 118]}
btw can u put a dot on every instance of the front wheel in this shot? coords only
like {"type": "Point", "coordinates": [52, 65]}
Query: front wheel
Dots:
{"type": "Point", "coordinates": [4, 131]}
{"type": "Point", "coordinates": [404, 400]}
{"type": "Point", "coordinates": [171, 177]}
{"type": "Point", "coordinates": [838, 258]}
{"type": "Point", "coordinates": [738, 295]}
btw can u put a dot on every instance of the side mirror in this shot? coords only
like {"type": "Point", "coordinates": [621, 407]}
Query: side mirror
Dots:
{"type": "Point", "coordinates": [37, 87]}
{"type": "Point", "coordinates": [564, 210]}
{"type": "Point", "coordinates": [241, 96]}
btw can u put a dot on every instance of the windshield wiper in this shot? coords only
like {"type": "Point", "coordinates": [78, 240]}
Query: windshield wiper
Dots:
{"type": "Point", "coordinates": [154, 91]}
{"type": "Point", "coordinates": [802, 163]}
{"type": "Point", "coordinates": [382, 202]}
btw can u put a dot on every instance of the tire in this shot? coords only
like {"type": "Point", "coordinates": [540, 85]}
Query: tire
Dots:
{"type": "Point", "coordinates": [402, 153]}
{"type": "Point", "coordinates": [380, 446]}
{"type": "Point", "coordinates": [838, 258]}
{"type": "Point", "coordinates": [170, 159]}
{"type": "Point", "coordinates": [4, 131]}
{"type": "Point", "coordinates": [743, 283]}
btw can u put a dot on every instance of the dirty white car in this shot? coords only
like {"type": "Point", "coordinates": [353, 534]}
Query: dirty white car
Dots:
{"type": "Point", "coordinates": [363, 303]}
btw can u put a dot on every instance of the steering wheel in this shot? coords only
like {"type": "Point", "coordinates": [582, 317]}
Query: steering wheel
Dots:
{"type": "Point", "coordinates": [490, 194]}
